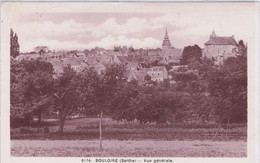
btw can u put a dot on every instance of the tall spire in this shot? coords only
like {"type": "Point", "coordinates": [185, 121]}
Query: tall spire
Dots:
{"type": "Point", "coordinates": [166, 41]}
{"type": "Point", "coordinates": [166, 37]}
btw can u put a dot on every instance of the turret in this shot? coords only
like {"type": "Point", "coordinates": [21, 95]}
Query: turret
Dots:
{"type": "Point", "coordinates": [213, 35]}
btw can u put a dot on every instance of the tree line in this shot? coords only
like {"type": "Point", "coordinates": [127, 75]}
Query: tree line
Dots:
{"type": "Point", "coordinates": [209, 89]}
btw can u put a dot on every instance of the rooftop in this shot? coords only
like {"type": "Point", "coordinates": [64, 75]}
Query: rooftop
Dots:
{"type": "Point", "coordinates": [221, 41]}
{"type": "Point", "coordinates": [215, 40]}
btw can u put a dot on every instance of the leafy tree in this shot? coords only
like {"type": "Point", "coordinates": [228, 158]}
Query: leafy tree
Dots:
{"type": "Point", "coordinates": [86, 51]}
{"type": "Point", "coordinates": [100, 89]}
{"type": "Point", "coordinates": [120, 105]}
{"type": "Point", "coordinates": [14, 44]}
{"type": "Point", "coordinates": [185, 77]}
{"type": "Point", "coordinates": [153, 106]}
{"type": "Point", "coordinates": [131, 49]}
{"type": "Point", "coordinates": [31, 66]}
{"type": "Point", "coordinates": [117, 48]}
{"type": "Point", "coordinates": [189, 53]}
{"type": "Point", "coordinates": [242, 48]}
{"type": "Point", "coordinates": [66, 96]}
{"type": "Point", "coordinates": [17, 108]}
{"type": "Point", "coordinates": [31, 85]}
{"type": "Point", "coordinates": [144, 103]}
{"type": "Point", "coordinates": [168, 67]}
{"type": "Point", "coordinates": [41, 49]}
{"type": "Point", "coordinates": [147, 77]}
{"type": "Point", "coordinates": [36, 90]}
{"type": "Point", "coordinates": [228, 85]}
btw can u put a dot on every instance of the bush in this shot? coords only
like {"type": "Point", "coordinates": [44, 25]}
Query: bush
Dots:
{"type": "Point", "coordinates": [26, 130]}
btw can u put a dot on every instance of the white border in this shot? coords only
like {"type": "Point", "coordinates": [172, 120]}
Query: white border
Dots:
{"type": "Point", "coordinates": [253, 87]}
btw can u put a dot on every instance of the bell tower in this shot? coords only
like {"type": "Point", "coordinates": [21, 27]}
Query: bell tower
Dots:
{"type": "Point", "coordinates": [166, 47]}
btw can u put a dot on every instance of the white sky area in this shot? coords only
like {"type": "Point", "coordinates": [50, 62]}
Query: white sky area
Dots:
{"type": "Point", "coordinates": [69, 26]}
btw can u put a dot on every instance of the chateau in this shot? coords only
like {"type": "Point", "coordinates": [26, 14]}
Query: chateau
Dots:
{"type": "Point", "coordinates": [219, 48]}
{"type": "Point", "coordinates": [169, 53]}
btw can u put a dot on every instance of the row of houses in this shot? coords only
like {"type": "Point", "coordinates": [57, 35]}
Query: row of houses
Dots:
{"type": "Point", "coordinates": [217, 48]}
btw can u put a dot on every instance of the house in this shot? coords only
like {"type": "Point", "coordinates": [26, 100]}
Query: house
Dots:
{"type": "Point", "coordinates": [99, 67]}
{"type": "Point", "coordinates": [107, 59]}
{"type": "Point", "coordinates": [138, 75]}
{"type": "Point", "coordinates": [158, 73]}
{"type": "Point", "coordinates": [123, 59]}
{"type": "Point", "coordinates": [219, 48]}
{"type": "Point", "coordinates": [133, 66]}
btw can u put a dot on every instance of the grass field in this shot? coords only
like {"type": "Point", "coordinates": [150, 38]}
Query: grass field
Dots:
{"type": "Point", "coordinates": [87, 129]}
{"type": "Point", "coordinates": [121, 139]}
{"type": "Point", "coordinates": [116, 148]}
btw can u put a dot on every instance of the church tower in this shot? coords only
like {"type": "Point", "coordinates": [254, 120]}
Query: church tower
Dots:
{"type": "Point", "coordinates": [166, 47]}
{"type": "Point", "coordinates": [166, 41]}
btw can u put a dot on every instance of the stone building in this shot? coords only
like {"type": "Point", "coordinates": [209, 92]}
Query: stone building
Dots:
{"type": "Point", "coordinates": [169, 53]}
{"type": "Point", "coordinates": [158, 73]}
{"type": "Point", "coordinates": [219, 48]}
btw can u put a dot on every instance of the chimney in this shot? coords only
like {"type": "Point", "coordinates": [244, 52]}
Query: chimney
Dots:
{"type": "Point", "coordinates": [233, 36]}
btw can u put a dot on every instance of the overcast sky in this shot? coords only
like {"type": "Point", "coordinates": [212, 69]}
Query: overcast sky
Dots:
{"type": "Point", "coordinates": [142, 25]}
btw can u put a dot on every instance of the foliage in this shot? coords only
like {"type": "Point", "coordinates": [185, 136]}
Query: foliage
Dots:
{"type": "Point", "coordinates": [228, 85]}
{"type": "Point", "coordinates": [120, 105]}
{"type": "Point", "coordinates": [201, 88]}
{"type": "Point", "coordinates": [86, 51]}
{"type": "Point", "coordinates": [31, 85]}
{"type": "Point", "coordinates": [41, 49]}
{"type": "Point", "coordinates": [14, 44]}
{"type": "Point", "coordinates": [66, 94]}
{"type": "Point", "coordinates": [242, 48]}
{"type": "Point", "coordinates": [144, 104]}
{"type": "Point", "coordinates": [190, 53]}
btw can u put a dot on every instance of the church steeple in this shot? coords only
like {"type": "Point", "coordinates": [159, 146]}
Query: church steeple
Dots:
{"type": "Point", "coordinates": [166, 37]}
{"type": "Point", "coordinates": [166, 41]}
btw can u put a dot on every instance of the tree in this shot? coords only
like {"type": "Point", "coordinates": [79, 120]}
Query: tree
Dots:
{"type": "Point", "coordinates": [144, 103]}
{"type": "Point", "coordinates": [153, 106]}
{"type": "Point", "coordinates": [86, 51]}
{"type": "Point", "coordinates": [31, 85]}
{"type": "Point", "coordinates": [18, 112]}
{"type": "Point", "coordinates": [228, 85]}
{"type": "Point", "coordinates": [36, 90]}
{"type": "Point", "coordinates": [14, 44]}
{"type": "Point", "coordinates": [147, 78]}
{"type": "Point", "coordinates": [117, 48]}
{"type": "Point", "coordinates": [242, 48]}
{"type": "Point", "coordinates": [131, 49]}
{"type": "Point", "coordinates": [100, 89]}
{"type": "Point", "coordinates": [66, 96]}
{"type": "Point", "coordinates": [41, 49]}
{"type": "Point", "coordinates": [190, 52]}
{"type": "Point", "coordinates": [120, 105]}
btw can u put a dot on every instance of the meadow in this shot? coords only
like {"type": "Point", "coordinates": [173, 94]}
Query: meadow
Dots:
{"type": "Point", "coordinates": [129, 148]}
{"type": "Point", "coordinates": [125, 139]}
{"type": "Point", "coordinates": [87, 129]}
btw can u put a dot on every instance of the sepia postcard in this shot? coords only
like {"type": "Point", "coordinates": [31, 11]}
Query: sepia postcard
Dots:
{"type": "Point", "coordinates": [130, 82]}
